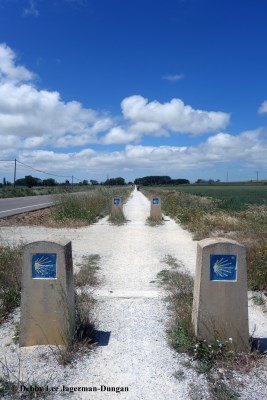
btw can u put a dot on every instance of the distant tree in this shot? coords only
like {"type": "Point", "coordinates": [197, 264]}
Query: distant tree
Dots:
{"type": "Point", "coordinates": [153, 180]}
{"type": "Point", "coordinates": [94, 182]}
{"type": "Point", "coordinates": [201, 181]}
{"type": "Point", "coordinates": [159, 180]}
{"type": "Point", "coordinates": [4, 181]}
{"type": "Point", "coordinates": [180, 181]}
{"type": "Point", "coordinates": [85, 182]}
{"type": "Point", "coordinates": [115, 182]}
{"type": "Point", "coordinates": [67, 182]}
{"type": "Point", "coordinates": [49, 182]}
{"type": "Point", "coordinates": [31, 181]}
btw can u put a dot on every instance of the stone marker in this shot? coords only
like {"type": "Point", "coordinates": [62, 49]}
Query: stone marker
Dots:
{"type": "Point", "coordinates": [155, 208]}
{"type": "Point", "coordinates": [116, 209]}
{"type": "Point", "coordinates": [220, 305]}
{"type": "Point", "coordinates": [47, 295]}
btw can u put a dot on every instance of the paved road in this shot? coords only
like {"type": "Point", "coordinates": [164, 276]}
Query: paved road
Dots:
{"type": "Point", "coordinates": [18, 205]}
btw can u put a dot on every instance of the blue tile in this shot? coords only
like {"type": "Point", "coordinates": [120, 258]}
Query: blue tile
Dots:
{"type": "Point", "coordinates": [222, 267]}
{"type": "Point", "coordinates": [155, 200]}
{"type": "Point", "coordinates": [44, 266]}
{"type": "Point", "coordinates": [117, 201]}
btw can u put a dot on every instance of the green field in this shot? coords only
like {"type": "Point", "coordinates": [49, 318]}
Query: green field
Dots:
{"type": "Point", "coordinates": [231, 196]}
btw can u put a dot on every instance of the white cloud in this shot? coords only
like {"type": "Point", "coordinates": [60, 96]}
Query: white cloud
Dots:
{"type": "Point", "coordinates": [9, 72]}
{"type": "Point", "coordinates": [31, 9]}
{"type": "Point", "coordinates": [173, 78]}
{"type": "Point", "coordinates": [173, 116]}
{"type": "Point", "coordinates": [42, 118]}
{"type": "Point", "coordinates": [27, 112]}
{"type": "Point", "coordinates": [263, 108]}
{"type": "Point", "coordinates": [248, 149]}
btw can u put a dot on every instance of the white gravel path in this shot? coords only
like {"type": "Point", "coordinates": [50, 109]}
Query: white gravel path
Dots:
{"type": "Point", "coordinates": [130, 308]}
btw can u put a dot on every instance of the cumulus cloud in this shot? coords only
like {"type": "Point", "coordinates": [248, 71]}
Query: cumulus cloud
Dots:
{"type": "Point", "coordinates": [248, 149]}
{"type": "Point", "coordinates": [263, 108]}
{"type": "Point", "coordinates": [173, 116]}
{"type": "Point", "coordinates": [42, 118]}
{"type": "Point", "coordinates": [28, 112]}
{"type": "Point", "coordinates": [9, 72]}
{"type": "Point", "coordinates": [173, 78]}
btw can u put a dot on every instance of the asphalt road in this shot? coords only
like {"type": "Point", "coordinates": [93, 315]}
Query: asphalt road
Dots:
{"type": "Point", "coordinates": [18, 205]}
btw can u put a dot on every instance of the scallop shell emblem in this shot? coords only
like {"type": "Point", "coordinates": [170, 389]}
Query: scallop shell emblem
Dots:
{"type": "Point", "coordinates": [44, 266]}
{"type": "Point", "coordinates": [223, 268]}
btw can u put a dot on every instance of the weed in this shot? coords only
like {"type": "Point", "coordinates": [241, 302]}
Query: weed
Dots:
{"type": "Point", "coordinates": [10, 279]}
{"type": "Point", "coordinates": [13, 386]}
{"type": "Point", "coordinates": [16, 333]}
{"type": "Point", "coordinates": [81, 340]}
{"type": "Point", "coordinates": [258, 300]}
{"type": "Point", "coordinates": [117, 218]}
{"type": "Point", "coordinates": [154, 222]}
{"type": "Point", "coordinates": [171, 261]}
{"type": "Point", "coordinates": [179, 375]}
{"type": "Point", "coordinates": [87, 272]}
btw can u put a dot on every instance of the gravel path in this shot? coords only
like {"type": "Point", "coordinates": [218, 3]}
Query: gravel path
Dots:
{"type": "Point", "coordinates": [130, 311]}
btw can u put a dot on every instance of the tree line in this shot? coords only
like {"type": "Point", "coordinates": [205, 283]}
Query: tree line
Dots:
{"type": "Point", "coordinates": [159, 180]}
{"type": "Point", "coordinates": [31, 181]}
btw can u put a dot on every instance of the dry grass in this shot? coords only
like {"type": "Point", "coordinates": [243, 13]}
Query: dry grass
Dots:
{"type": "Point", "coordinates": [217, 360]}
{"type": "Point", "coordinates": [10, 279]}
{"type": "Point", "coordinates": [209, 217]}
{"type": "Point", "coordinates": [87, 272]}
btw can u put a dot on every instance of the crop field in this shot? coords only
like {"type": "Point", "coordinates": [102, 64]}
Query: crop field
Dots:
{"type": "Point", "coordinates": [235, 197]}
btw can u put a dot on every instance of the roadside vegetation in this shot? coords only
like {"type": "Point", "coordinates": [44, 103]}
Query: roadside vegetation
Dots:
{"type": "Point", "coordinates": [239, 214]}
{"type": "Point", "coordinates": [10, 279]}
{"type": "Point", "coordinates": [217, 361]}
{"type": "Point", "coordinates": [23, 191]}
{"type": "Point", "coordinates": [88, 207]}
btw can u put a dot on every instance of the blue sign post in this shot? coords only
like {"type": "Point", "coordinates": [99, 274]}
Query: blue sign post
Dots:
{"type": "Point", "coordinates": [44, 266]}
{"type": "Point", "coordinates": [117, 201]}
{"type": "Point", "coordinates": [223, 267]}
{"type": "Point", "coordinates": [155, 200]}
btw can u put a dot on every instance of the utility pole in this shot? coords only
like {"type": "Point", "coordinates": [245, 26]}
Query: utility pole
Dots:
{"type": "Point", "coordinates": [72, 180]}
{"type": "Point", "coordinates": [15, 173]}
{"type": "Point", "coordinates": [227, 176]}
{"type": "Point", "coordinates": [257, 172]}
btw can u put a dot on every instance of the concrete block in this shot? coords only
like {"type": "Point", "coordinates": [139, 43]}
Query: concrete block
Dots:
{"type": "Point", "coordinates": [116, 208]}
{"type": "Point", "coordinates": [155, 208]}
{"type": "Point", "coordinates": [220, 305]}
{"type": "Point", "coordinates": [47, 296]}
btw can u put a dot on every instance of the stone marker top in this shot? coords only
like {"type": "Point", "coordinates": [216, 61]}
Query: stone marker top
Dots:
{"type": "Point", "coordinates": [220, 241]}
{"type": "Point", "coordinates": [59, 242]}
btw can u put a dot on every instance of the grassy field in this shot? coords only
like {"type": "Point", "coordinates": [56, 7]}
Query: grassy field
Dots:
{"type": "Point", "coordinates": [235, 212]}
{"type": "Point", "coordinates": [229, 196]}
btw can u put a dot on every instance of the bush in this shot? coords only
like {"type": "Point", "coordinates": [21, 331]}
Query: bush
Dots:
{"type": "Point", "coordinates": [10, 279]}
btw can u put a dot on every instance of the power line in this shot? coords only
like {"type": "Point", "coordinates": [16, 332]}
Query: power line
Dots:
{"type": "Point", "coordinates": [43, 172]}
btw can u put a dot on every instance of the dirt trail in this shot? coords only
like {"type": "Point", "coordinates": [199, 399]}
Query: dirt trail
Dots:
{"type": "Point", "coordinates": [130, 311]}
{"type": "Point", "coordinates": [131, 308]}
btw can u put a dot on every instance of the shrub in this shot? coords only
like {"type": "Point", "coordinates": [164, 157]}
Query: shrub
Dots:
{"type": "Point", "coordinates": [10, 278]}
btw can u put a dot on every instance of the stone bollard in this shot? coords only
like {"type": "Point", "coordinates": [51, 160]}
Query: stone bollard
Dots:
{"type": "Point", "coordinates": [47, 294]}
{"type": "Point", "coordinates": [155, 208]}
{"type": "Point", "coordinates": [220, 305]}
{"type": "Point", "coordinates": [116, 209]}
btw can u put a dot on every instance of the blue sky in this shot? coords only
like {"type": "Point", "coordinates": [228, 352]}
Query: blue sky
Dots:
{"type": "Point", "coordinates": [97, 87]}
